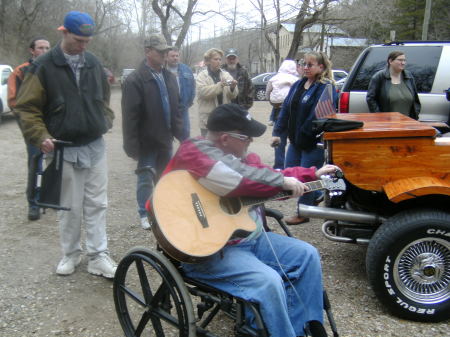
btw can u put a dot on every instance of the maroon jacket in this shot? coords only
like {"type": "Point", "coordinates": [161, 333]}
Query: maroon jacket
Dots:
{"type": "Point", "coordinates": [227, 175]}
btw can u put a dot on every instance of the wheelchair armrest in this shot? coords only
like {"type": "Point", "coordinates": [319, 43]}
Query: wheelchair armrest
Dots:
{"type": "Point", "coordinates": [274, 213]}
{"type": "Point", "coordinates": [278, 216]}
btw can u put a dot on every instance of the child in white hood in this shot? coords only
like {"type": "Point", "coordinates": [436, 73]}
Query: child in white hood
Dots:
{"type": "Point", "coordinates": [279, 85]}
{"type": "Point", "coordinates": [276, 91]}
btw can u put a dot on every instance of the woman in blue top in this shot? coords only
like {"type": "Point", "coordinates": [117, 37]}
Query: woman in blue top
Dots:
{"type": "Point", "coordinates": [297, 115]}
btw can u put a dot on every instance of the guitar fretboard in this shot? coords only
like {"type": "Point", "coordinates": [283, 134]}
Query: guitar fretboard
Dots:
{"type": "Point", "coordinates": [250, 201]}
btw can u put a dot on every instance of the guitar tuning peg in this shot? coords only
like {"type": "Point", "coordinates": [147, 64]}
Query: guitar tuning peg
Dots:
{"type": "Point", "coordinates": [339, 174]}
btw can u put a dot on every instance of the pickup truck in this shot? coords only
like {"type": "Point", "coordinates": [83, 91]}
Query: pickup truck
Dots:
{"type": "Point", "coordinates": [397, 201]}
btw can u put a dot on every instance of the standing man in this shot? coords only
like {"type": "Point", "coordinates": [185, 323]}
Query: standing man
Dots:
{"type": "Point", "coordinates": [38, 46]}
{"type": "Point", "coordinates": [151, 117]}
{"type": "Point", "coordinates": [186, 86]}
{"type": "Point", "coordinates": [240, 74]}
{"type": "Point", "coordinates": [65, 96]}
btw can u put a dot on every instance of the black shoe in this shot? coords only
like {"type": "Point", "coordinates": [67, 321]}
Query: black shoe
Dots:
{"type": "Point", "coordinates": [34, 213]}
{"type": "Point", "coordinates": [315, 329]}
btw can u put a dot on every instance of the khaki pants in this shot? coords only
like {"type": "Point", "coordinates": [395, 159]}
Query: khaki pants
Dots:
{"type": "Point", "coordinates": [84, 190]}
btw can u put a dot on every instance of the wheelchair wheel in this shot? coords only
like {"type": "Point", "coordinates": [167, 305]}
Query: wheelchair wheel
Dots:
{"type": "Point", "coordinates": [150, 296]}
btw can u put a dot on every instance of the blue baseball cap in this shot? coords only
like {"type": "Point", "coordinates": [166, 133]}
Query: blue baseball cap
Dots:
{"type": "Point", "coordinates": [78, 23]}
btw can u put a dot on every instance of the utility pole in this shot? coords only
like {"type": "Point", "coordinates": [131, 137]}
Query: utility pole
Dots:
{"type": "Point", "coordinates": [426, 20]}
{"type": "Point", "coordinates": [262, 68]}
{"type": "Point", "coordinates": [233, 29]}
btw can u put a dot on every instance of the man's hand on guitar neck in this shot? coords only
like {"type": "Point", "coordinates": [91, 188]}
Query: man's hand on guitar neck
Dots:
{"type": "Point", "coordinates": [294, 185]}
{"type": "Point", "coordinates": [298, 188]}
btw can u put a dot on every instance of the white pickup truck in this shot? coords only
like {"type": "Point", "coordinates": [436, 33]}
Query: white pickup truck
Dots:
{"type": "Point", "coordinates": [5, 71]}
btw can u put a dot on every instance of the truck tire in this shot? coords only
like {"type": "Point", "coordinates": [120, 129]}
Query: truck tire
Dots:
{"type": "Point", "coordinates": [408, 265]}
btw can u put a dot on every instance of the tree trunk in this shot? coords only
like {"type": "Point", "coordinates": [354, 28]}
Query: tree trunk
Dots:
{"type": "Point", "coordinates": [426, 20]}
{"type": "Point", "coordinates": [302, 20]}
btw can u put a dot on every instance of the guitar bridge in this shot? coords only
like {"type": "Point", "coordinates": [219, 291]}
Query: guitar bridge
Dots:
{"type": "Point", "coordinates": [198, 208]}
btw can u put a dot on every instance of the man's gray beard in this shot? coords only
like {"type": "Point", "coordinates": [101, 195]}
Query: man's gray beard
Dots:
{"type": "Point", "coordinates": [232, 66]}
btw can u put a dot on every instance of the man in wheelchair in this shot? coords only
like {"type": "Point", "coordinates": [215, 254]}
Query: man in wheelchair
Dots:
{"type": "Point", "coordinates": [279, 273]}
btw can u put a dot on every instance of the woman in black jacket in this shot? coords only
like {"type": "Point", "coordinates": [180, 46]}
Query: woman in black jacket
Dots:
{"type": "Point", "coordinates": [393, 88]}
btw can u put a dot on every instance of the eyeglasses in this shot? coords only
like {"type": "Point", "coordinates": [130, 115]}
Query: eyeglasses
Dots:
{"type": "Point", "coordinates": [401, 60]}
{"type": "Point", "coordinates": [244, 138]}
{"type": "Point", "coordinates": [307, 65]}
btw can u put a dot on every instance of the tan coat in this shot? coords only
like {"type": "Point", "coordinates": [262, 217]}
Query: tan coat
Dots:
{"type": "Point", "coordinates": [207, 92]}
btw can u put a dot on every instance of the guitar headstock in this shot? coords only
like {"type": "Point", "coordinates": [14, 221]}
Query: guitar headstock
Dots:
{"type": "Point", "coordinates": [335, 185]}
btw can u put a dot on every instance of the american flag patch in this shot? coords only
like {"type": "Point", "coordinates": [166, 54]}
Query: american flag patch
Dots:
{"type": "Point", "coordinates": [325, 106]}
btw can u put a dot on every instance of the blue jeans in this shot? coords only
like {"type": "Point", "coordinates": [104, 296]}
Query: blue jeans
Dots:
{"type": "Point", "coordinates": [280, 152]}
{"type": "Point", "coordinates": [157, 160]}
{"type": "Point", "coordinates": [32, 151]}
{"type": "Point", "coordinates": [186, 125]}
{"type": "Point", "coordinates": [275, 113]}
{"type": "Point", "coordinates": [250, 271]}
{"type": "Point", "coordinates": [314, 157]}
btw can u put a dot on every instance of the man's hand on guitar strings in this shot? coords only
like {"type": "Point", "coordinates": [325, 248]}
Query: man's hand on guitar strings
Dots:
{"type": "Point", "coordinates": [294, 185]}
{"type": "Point", "coordinates": [327, 169]}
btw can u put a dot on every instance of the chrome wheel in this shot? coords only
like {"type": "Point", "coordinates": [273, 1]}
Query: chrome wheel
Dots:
{"type": "Point", "coordinates": [408, 264]}
{"type": "Point", "coordinates": [422, 271]}
{"type": "Point", "coordinates": [260, 95]}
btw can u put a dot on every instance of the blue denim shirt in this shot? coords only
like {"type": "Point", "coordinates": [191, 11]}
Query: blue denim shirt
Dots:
{"type": "Point", "coordinates": [186, 82]}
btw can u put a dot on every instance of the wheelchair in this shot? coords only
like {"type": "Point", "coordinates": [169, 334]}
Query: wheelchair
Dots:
{"type": "Point", "coordinates": [153, 297]}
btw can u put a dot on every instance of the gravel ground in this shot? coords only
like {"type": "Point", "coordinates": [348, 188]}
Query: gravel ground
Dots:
{"type": "Point", "coordinates": [35, 301]}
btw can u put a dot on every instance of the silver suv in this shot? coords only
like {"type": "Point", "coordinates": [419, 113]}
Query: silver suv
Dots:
{"type": "Point", "coordinates": [125, 73]}
{"type": "Point", "coordinates": [428, 61]}
{"type": "Point", "coordinates": [5, 71]}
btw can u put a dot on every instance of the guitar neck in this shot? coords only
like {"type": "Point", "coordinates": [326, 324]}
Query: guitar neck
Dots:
{"type": "Point", "coordinates": [250, 201]}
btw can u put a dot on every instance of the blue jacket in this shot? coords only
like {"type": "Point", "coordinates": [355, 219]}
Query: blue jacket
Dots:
{"type": "Point", "coordinates": [186, 83]}
{"type": "Point", "coordinates": [303, 137]}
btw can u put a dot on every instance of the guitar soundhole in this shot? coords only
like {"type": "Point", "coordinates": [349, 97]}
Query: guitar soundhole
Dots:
{"type": "Point", "coordinates": [230, 205]}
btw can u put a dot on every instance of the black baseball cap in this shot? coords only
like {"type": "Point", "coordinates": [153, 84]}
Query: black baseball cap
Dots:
{"type": "Point", "coordinates": [232, 117]}
{"type": "Point", "coordinates": [231, 52]}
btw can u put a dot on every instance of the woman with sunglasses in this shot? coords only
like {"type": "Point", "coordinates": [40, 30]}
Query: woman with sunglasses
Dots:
{"type": "Point", "coordinates": [393, 88]}
{"type": "Point", "coordinates": [296, 116]}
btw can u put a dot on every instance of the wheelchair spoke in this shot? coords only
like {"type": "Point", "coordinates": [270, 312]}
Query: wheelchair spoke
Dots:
{"type": "Point", "coordinates": [146, 290]}
{"type": "Point", "coordinates": [142, 323]}
{"type": "Point", "coordinates": [133, 295]}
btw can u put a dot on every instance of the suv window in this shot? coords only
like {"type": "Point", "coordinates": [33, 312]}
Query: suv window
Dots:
{"type": "Point", "coordinates": [422, 62]}
{"type": "Point", "coordinates": [339, 75]}
{"type": "Point", "coordinates": [5, 74]}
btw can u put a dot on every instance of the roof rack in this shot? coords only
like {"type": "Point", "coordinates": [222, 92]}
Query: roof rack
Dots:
{"type": "Point", "coordinates": [396, 43]}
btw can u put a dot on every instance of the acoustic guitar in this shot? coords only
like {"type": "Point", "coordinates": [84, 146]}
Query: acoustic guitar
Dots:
{"type": "Point", "coordinates": [192, 223]}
